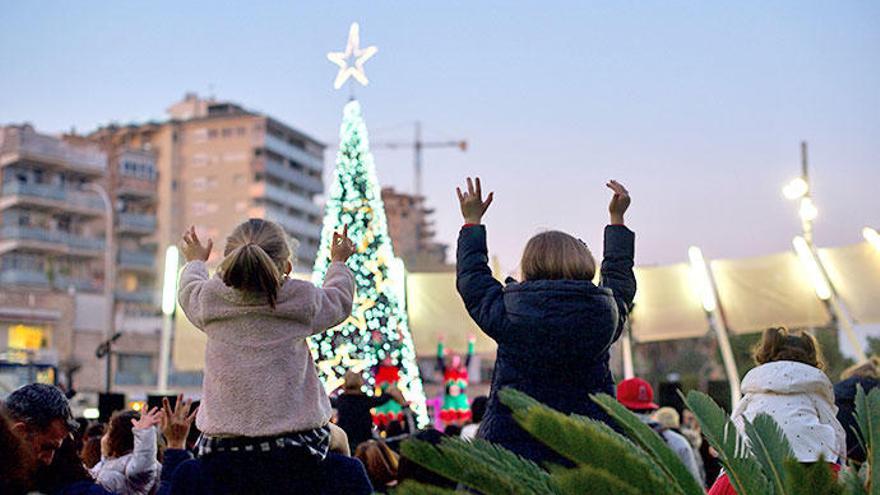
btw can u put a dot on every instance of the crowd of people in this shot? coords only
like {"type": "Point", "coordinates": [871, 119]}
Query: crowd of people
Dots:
{"type": "Point", "coordinates": [265, 423]}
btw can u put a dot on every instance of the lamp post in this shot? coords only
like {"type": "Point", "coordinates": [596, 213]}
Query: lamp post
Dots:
{"type": "Point", "coordinates": [109, 281]}
{"type": "Point", "coordinates": [800, 189]}
{"type": "Point", "coordinates": [705, 289]}
{"type": "Point", "coordinates": [169, 305]}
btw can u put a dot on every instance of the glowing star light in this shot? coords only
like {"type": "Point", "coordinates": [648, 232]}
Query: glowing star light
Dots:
{"type": "Point", "coordinates": [352, 49]}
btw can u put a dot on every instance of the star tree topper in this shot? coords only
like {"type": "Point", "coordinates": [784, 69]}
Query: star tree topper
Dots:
{"type": "Point", "coordinates": [352, 49]}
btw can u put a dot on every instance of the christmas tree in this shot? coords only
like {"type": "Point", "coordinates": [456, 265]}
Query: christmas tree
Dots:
{"type": "Point", "coordinates": [377, 329]}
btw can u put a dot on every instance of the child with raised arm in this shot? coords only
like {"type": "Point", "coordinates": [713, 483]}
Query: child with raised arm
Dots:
{"type": "Point", "coordinates": [261, 391]}
{"type": "Point", "coordinates": [555, 328]}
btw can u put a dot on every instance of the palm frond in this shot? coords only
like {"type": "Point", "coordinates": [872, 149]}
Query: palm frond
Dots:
{"type": "Point", "coordinates": [410, 487]}
{"type": "Point", "coordinates": [868, 418]}
{"type": "Point", "coordinates": [481, 465]}
{"type": "Point", "coordinates": [743, 470]}
{"type": "Point", "coordinates": [588, 479]}
{"type": "Point", "coordinates": [588, 442]}
{"type": "Point", "coordinates": [815, 478]}
{"type": "Point", "coordinates": [652, 444]}
{"type": "Point", "coordinates": [770, 447]}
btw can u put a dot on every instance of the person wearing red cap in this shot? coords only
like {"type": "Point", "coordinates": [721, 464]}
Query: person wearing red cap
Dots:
{"type": "Point", "coordinates": [637, 395]}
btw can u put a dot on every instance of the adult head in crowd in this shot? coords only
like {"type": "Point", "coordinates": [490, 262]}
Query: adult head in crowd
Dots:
{"type": "Point", "coordinates": [40, 415]}
{"type": "Point", "coordinates": [16, 461]}
{"type": "Point", "coordinates": [637, 395]}
{"type": "Point", "coordinates": [91, 450]}
{"type": "Point", "coordinates": [381, 463]}
{"type": "Point", "coordinates": [867, 375]}
{"type": "Point", "coordinates": [353, 408]}
{"type": "Point", "coordinates": [478, 409]}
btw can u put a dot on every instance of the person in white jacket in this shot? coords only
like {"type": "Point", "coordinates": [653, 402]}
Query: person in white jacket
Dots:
{"type": "Point", "coordinates": [128, 463]}
{"type": "Point", "coordinates": [789, 385]}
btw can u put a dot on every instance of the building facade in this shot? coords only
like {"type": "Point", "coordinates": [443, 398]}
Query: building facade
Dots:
{"type": "Point", "coordinates": [412, 233]}
{"type": "Point", "coordinates": [51, 247]}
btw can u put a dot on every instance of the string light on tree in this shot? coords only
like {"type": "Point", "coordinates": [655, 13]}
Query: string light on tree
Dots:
{"type": "Point", "coordinates": [377, 329]}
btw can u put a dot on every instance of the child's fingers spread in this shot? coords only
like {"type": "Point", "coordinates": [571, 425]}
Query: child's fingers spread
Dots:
{"type": "Point", "coordinates": [458, 191]}
{"type": "Point", "coordinates": [470, 184]}
{"type": "Point", "coordinates": [479, 190]}
{"type": "Point", "coordinates": [345, 230]}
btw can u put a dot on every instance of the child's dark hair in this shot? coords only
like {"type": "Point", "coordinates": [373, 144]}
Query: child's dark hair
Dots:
{"type": "Point", "coordinates": [120, 437]}
{"type": "Point", "coordinates": [255, 257]}
{"type": "Point", "coordinates": [781, 344]}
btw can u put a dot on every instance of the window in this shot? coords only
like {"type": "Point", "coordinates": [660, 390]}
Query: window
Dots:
{"type": "Point", "coordinates": [240, 131]}
{"type": "Point", "coordinates": [200, 135]}
{"type": "Point", "coordinates": [212, 133]}
{"type": "Point", "coordinates": [134, 369]}
{"type": "Point", "coordinates": [227, 132]}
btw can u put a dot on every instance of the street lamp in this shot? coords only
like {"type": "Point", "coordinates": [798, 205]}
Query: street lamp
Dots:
{"type": "Point", "coordinates": [109, 280]}
{"type": "Point", "coordinates": [169, 305]}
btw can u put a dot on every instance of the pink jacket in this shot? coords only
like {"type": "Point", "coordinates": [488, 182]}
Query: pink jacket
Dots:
{"type": "Point", "coordinates": [260, 377]}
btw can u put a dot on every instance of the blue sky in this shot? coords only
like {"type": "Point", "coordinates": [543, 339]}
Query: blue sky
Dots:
{"type": "Point", "coordinates": [698, 108]}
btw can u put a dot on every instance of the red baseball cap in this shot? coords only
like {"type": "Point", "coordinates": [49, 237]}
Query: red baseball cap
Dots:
{"type": "Point", "coordinates": [636, 394]}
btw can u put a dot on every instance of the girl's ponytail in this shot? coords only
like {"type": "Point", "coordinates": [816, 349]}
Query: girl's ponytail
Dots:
{"type": "Point", "coordinates": [255, 253]}
{"type": "Point", "coordinates": [781, 344]}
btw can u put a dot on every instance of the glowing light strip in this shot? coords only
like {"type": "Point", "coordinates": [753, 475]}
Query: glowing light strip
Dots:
{"type": "Point", "coordinates": [820, 285]}
{"type": "Point", "coordinates": [700, 279]}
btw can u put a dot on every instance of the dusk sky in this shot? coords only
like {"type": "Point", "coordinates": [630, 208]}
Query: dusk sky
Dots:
{"type": "Point", "coordinates": [698, 109]}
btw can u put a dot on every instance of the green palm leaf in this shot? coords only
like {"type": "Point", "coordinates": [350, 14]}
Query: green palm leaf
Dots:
{"type": "Point", "coordinates": [868, 419]}
{"type": "Point", "coordinates": [811, 479]}
{"type": "Point", "coordinates": [588, 479]}
{"type": "Point", "coordinates": [481, 465]}
{"type": "Point", "coordinates": [740, 465]}
{"type": "Point", "coordinates": [771, 448]}
{"type": "Point", "coordinates": [646, 438]}
{"type": "Point", "coordinates": [588, 442]}
{"type": "Point", "coordinates": [410, 487]}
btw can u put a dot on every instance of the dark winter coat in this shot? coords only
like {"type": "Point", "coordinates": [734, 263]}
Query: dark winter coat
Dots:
{"type": "Point", "coordinates": [553, 335]}
{"type": "Point", "coordinates": [353, 413]}
{"type": "Point", "coordinates": [845, 400]}
{"type": "Point", "coordinates": [276, 471]}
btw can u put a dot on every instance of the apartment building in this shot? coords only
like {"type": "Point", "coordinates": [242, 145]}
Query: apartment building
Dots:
{"type": "Point", "coordinates": [219, 164]}
{"type": "Point", "coordinates": [51, 243]}
{"type": "Point", "coordinates": [411, 230]}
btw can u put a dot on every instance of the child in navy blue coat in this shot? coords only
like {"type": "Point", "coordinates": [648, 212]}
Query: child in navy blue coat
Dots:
{"type": "Point", "coordinates": [555, 328]}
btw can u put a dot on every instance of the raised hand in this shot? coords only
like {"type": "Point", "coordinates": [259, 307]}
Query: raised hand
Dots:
{"type": "Point", "coordinates": [472, 205]}
{"type": "Point", "coordinates": [342, 247]}
{"type": "Point", "coordinates": [619, 202]}
{"type": "Point", "coordinates": [192, 247]}
{"type": "Point", "coordinates": [177, 422]}
{"type": "Point", "coordinates": [147, 419]}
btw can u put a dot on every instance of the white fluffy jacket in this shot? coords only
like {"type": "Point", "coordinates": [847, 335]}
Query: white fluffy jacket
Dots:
{"type": "Point", "coordinates": [801, 400]}
{"type": "Point", "coordinates": [260, 378]}
{"type": "Point", "coordinates": [135, 473]}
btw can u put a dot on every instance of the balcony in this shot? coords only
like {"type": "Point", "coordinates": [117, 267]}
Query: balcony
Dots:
{"type": "Point", "coordinates": [21, 276]}
{"type": "Point", "coordinates": [139, 296]}
{"type": "Point", "coordinates": [14, 236]}
{"type": "Point", "coordinates": [281, 196]}
{"type": "Point", "coordinates": [51, 197]}
{"type": "Point", "coordinates": [136, 223]}
{"type": "Point", "coordinates": [136, 187]}
{"type": "Point", "coordinates": [32, 277]}
{"type": "Point", "coordinates": [136, 260]}
{"type": "Point", "coordinates": [24, 143]}
{"type": "Point", "coordinates": [295, 153]}
{"type": "Point", "coordinates": [297, 227]}
{"type": "Point", "coordinates": [292, 175]}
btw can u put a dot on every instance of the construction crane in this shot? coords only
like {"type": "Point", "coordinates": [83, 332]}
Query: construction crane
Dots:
{"type": "Point", "coordinates": [417, 146]}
